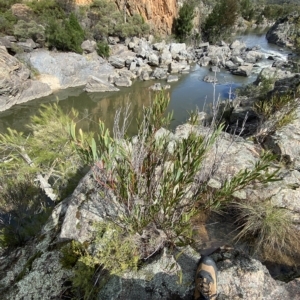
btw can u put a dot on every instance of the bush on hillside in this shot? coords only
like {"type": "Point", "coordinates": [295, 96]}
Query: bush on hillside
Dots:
{"type": "Point", "coordinates": [7, 22]}
{"type": "Point", "coordinates": [184, 22]}
{"type": "Point", "coordinates": [24, 30]}
{"type": "Point", "coordinates": [65, 35]}
{"type": "Point", "coordinates": [220, 20]}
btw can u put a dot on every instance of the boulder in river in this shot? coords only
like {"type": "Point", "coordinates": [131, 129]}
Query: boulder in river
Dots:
{"type": "Point", "coordinates": [95, 84]}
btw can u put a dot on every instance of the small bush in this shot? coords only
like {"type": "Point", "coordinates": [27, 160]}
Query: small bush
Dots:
{"type": "Point", "coordinates": [220, 20]}
{"type": "Point", "coordinates": [184, 22]}
{"type": "Point", "coordinates": [23, 211]}
{"type": "Point", "coordinates": [65, 35]}
{"type": "Point", "coordinates": [103, 49]}
{"type": "Point", "coordinates": [24, 30]}
{"type": "Point", "coordinates": [7, 21]}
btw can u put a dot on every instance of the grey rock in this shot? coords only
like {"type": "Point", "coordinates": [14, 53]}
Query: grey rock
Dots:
{"type": "Point", "coordinates": [27, 46]}
{"type": "Point", "coordinates": [69, 69]}
{"type": "Point", "coordinates": [203, 45]}
{"type": "Point", "coordinates": [253, 56]}
{"type": "Point", "coordinates": [132, 66]}
{"type": "Point", "coordinates": [159, 73]}
{"type": "Point", "coordinates": [145, 75]}
{"type": "Point", "coordinates": [273, 74]}
{"type": "Point", "coordinates": [210, 79]}
{"type": "Point", "coordinates": [4, 41]}
{"type": "Point", "coordinates": [244, 70]}
{"type": "Point", "coordinates": [172, 78]}
{"type": "Point", "coordinates": [285, 141]}
{"type": "Point", "coordinates": [123, 81]}
{"type": "Point", "coordinates": [165, 58]}
{"type": "Point", "coordinates": [237, 60]}
{"type": "Point", "coordinates": [88, 46]}
{"type": "Point", "coordinates": [153, 60]}
{"type": "Point", "coordinates": [175, 67]}
{"type": "Point", "coordinates": [157, 281]}
{"type": "Point", "coordinates": [282, 30]}
{"type": "Point", "coordinates": [230, 65]}
{"type": "Point", "coordinates": [95, 84]}
{"type": "Point", "coordinates": [204, 61]}
{"type": "Point", "coordinates": [176, 48]}
{"type": "Point", "coordinates": [117, 62]}
{"type": "Point", "coordinates": [113, 40]}
{"type": "Point", "coordinates": [159, 46]}
{"type": "Point", "coordinates": [15, 83]}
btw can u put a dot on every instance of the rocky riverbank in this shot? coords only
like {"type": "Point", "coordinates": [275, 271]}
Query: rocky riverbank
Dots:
{"type": "Point", "coordinates": [38, 72]}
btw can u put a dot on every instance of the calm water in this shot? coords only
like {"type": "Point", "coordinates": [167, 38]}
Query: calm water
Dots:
{"type": "Point", "coordinates": [186, 94]}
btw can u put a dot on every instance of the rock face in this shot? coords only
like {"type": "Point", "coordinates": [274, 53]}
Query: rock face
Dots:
{"type": "Point", "coordinates": [68, 69]}
{"type": "Point", "coordinates": [159, 14]}
{"type": "Point", "coordinates": [15, 83]}
{"type": "Point", "coordinates": [281, 32]}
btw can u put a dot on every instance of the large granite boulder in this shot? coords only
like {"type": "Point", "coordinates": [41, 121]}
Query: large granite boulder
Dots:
{"type": "Point", "coordinates": [69, 69]}
{"type": "Point", "coordinates": [16, 85]}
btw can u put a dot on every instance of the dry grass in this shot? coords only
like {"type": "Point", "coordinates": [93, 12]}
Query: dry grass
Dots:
{"type": "Point", "coordinates": [268, 228]}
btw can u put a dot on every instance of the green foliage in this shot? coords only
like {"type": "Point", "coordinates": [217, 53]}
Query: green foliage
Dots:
{"type": "Point", "coordinates": [184, 22]}
{"type": "Point", "coordinates": [275, 11]}
{"type": "Point", "coordinates": [113, 243]}
{"type": "Point", "coordinates": [108, 20]}
{"type": "Point", "coordinates": [7, 21]}
{"type": "Point", "coordinates": [247, 9]}
{"type": "Point", "coordinates": [71, 253]}
{"type": "Point", "coordinates": [46, 151]}
{"type": "Point", "coordinates": [24, 30]}
{"type": "Point", "coordinates": [220, 20]}
{"type": "Point", "coordinates": [270, 229]}
{"type": "Point", "coordinates": [259, 173]}
{"type": "Point", "coordinates": [65, 35]}
{"type": "Point", "coordinates": [6, 4]}
{"type": "Point", "coordinates": [103, 49]}
{"type": "Point", "coordinates": [23, 209]}
{"type": "Point", "coordinates": [44, 9]}
{"type": "Point", "coordinates": [283, 104]}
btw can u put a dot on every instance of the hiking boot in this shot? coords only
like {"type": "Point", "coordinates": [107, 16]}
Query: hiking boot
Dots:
{"type": "Point", "coordinates": [206, 280]}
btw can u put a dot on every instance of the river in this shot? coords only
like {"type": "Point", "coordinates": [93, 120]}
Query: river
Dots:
{"type": "Point", "coordinates": [188, 93]}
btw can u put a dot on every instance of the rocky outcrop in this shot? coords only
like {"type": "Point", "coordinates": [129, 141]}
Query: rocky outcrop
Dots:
{"type": "Point", "coordinates": [63, 70]}
{"type": "Point", "coordinates": [282, 32]}
{"type": "Point", "coordinates": [235, 57]}
{"type": "Point", "coordinates": [16, 86]}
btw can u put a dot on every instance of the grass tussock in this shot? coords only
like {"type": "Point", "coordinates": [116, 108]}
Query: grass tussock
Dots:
{"type": "Point", "coordinates": [268, 229]}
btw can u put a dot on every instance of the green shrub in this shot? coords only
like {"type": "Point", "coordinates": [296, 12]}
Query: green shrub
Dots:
{"type": "Point", "coordinates": [7, 21]}
{"type": "Point", "coordinates": [155, 186]}
{"type": "Point", "coordinates": [184, 22]}
{"type": "Point", "coordinates": [24, 30]}
{"type": "Point", "coordinates": [65, 35]}
{"type": "Point", "coordinates": [44, 9]}
{"type": "Point", "coordinates": [220, 20]}
{"type": "Point", "coordinates": [103, 49]}
{"type": "Point", "coordinates": [23, 209]}
{"type": "Point", "coordinates": [6, 4]}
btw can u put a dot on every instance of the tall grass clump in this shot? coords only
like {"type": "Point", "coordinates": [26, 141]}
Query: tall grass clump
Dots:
{"type": "Point", "coordinates": [270, 230]}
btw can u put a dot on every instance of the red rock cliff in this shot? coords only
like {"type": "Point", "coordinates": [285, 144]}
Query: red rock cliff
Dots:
{"type": "Point", "coordinates": [159, 14]}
